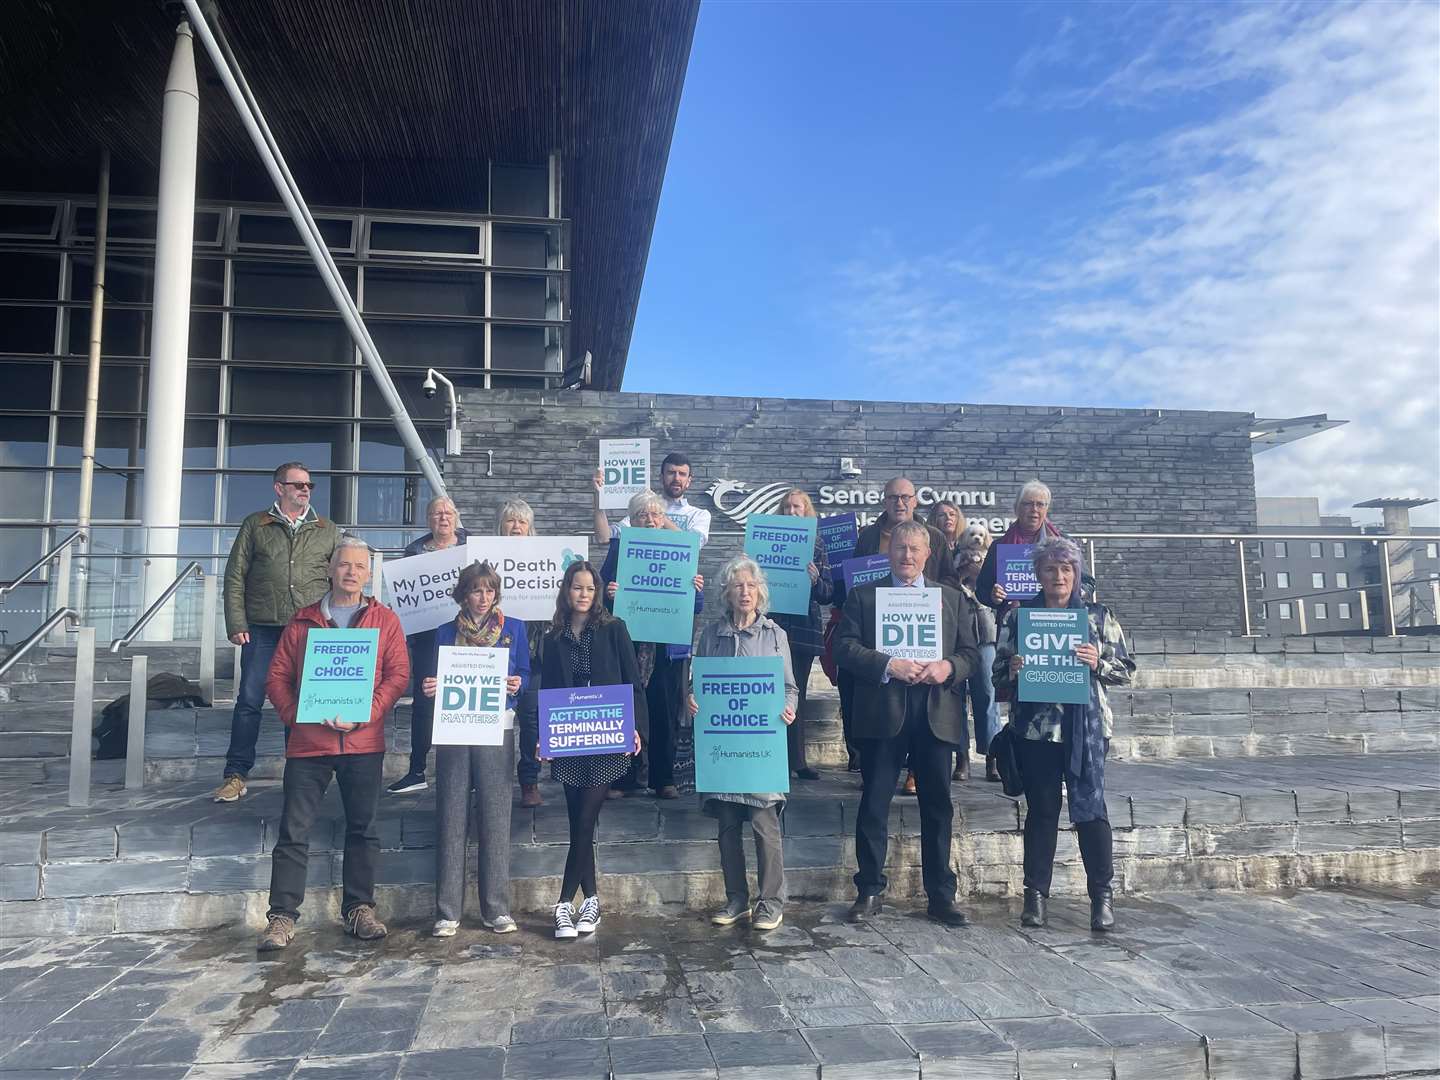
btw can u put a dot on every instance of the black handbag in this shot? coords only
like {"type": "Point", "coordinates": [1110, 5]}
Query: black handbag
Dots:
{"type": "Point", "coordinates": [1007, 761]}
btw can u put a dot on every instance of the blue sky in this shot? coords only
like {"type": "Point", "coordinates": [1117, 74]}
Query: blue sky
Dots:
{"type": "Point", "coordinates": [1189, 206]}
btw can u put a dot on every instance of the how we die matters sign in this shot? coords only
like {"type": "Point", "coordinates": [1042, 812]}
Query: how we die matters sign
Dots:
{"type": "Point", "coordinates": [624, 471]}
{"type": "Point", "coordinates": [907, 623]}
{"type": "Point", "coordinates": [470, 696]}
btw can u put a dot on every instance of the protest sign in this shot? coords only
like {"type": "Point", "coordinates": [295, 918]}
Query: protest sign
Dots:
{"type": "Point", "coordinates": [583, 720]}
{"type": "Point", "coordinates": [530, 568]}
{"type": "Point", "coordinates": [420, 587]}
{"type": "Point", "coordinates": [1014, 572]}
{"type": "Point", "coordinates": [838, 534]}
{"type": "Point", "coordinates": [338, 679]}
{"type": "Point", "coordinates": [470, 696]}
{"type": "Point", "coordinates": [739, 736]}
{"type": "Point", "coordinates": [784, 547]}
{"type": "Point", "coordinates": [624, 471]}
{"type": "Point", "coordinates": [1048, 638]}
{"type": "Point", "coordinates": [656, 596]}
{"type": "Point", "coordinates": [865, 569]}
{"type": "Point", "coordinates": [907, 623]}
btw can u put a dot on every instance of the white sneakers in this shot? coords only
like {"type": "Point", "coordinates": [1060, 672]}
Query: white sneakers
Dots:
{"type": "Point", "coordinates": [444, 928]}
{"type": "Point", "coordinates": [589, 915]}
{"type": "Point", "coordinates": [570, 924]}
{"type": "Point", "coordinates": [565, 922]}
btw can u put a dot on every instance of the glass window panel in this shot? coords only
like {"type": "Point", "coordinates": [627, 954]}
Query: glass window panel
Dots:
{"type": "Point", "coordinates": [416, 403]}
{"type": "Point", "coordinates": [1282, 581]}
{"type": "Point", "coordinates": [1321, 612]}
{"type": "Point", "coordinates": [24, 219]}
{"type": "Point", "coordinates": [27, 386]}
{"type": "Point", "coordinates": [520, 190]}
{"type": "Point", "coordinates": [393, 500]}
{"type": "Point", "coordinates": [1432, 551]}
{"type": "Point", "coordinates": [197, 496]}
{"type": "Point", "coordinates": [28, 276]}
{"type": "Point", "coordinates": [423, 237]}
{"type": "Point", "coordinates": [274, 230]}
{"type": "Point", "coordinates": [255, 445]}
{"type": "Point", "coordinates": [1338, 549]}
{"type": "Point", "coordinates": [518, 297]}
{"type": "Point", "coordinates": [119, 443]}
{"type": "Point", "coordinates": [277, 339]}
{"type": "Point", "coordinates": [291, 285]}
{"type": "Point", "coordinates": [424, 292]}
{"type": "Point", "coordinates": [271, 392]}
{"type": "Point", "coordinates": [244, 493]}
{"type": "Point", "coordinates": [124, 332]}
{"type": "Point", "coordinates": [202, 389]}
{"type": "Point", "coordinates": [1284, 611]}
{"type": "Point", "coordinates": [123, 388]}
{"type": "Point", "coordinates": [126, 223]}
{"type": "Point", "coordinates": [1317, 581]}
{"type": "Point", "coordinates": [1342, 611]}
{"type": "Point", "coordinates": [207, 282]}
{"type": "Point", "coordinates": [205, 335]}
{"type": "Point", "coordinates": [518, 348]}
{"type": "Point", "coordinates": [129, 279]}
{"type": "Point", "coordinates": [24, 440]}
{"type": "Point", "coordinates": [1342, 580]}
{"type": "Point", "coordinates": [18, 549]}
{"type": "Point", "coordinates": [513, 246]}
{"type": "Point", "coordinates": [22, 498]}
{"type": "Point", "coordinates": [1316, 550]}
{"type": "Point", "coordinates": [381, 448]}
{"type": "Point", "coordinates": [113, 496]}
{"type": "Point", "coordinates": [200, 439]}
{"type": "Point", "coordinates": [410, 344]}
{"type": "Point", "coordinates": [523, 382]}
{"type": "Point", "coordinates": [1281, 549]}
{"type": "Point", "coordinates": [27, 329]}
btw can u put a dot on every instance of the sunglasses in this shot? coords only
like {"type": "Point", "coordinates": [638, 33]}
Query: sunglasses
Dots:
{"type": "Point", "coordinates": [308, 485]}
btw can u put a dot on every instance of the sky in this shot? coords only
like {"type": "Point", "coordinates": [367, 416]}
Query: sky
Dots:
{"type": "Point", "coordinates": [1197, 206]}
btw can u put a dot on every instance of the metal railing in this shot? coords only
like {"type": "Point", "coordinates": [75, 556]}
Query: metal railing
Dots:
{"type": "Point", "coordinates": [192, 567]}
{"type": "Point", "coordinates": [40, 634]}
{"type": "Point", "coordinates": [63, 547]}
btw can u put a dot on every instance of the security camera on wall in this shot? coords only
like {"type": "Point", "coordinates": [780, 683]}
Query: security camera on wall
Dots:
{"type": "Point", "coordinates": [848, 468]}
{"type": "Point", "coordinates": [429, 386]}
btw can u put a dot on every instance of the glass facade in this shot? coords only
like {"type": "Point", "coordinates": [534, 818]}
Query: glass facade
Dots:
{"type": "Point", "coordinates": [273, 375]}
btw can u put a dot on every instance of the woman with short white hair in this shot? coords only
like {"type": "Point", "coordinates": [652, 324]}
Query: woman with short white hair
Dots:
{"type": "Point", "coordinates": [515, 518]}
{"type": "Point", "coordinates": [743, 629]}
{"type": "Point", "coordinates": [1031, 525]}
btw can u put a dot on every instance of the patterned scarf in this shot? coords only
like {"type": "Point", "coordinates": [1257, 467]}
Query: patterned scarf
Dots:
{"type": "Point", "coordinates": [480, 635]}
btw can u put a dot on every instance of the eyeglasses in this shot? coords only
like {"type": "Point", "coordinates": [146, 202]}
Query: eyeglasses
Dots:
{"type": "Point", "coordinates": [306, 484]}
{"type": "Point", "coordinates": [902, 498]}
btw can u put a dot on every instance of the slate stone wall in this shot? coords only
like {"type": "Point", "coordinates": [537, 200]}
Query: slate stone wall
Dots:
{"type": "Point", "coordinates": [1111, 470]}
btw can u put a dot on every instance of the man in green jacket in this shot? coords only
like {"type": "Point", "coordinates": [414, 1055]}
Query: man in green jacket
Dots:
{"type": "Point", "coordinates": [279, 564]}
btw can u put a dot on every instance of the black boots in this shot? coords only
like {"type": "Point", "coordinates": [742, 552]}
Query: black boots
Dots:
{"type": "Point", "coordinates": [1034, 913]}
{"type": "Point", "coordinates": [1102, 911]}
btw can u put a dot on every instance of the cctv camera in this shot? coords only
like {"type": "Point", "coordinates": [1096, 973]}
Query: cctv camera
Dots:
{"type": "Point", "coordinates": [429, 386]}
{"type": "Point", "coordinates": [848, 467]}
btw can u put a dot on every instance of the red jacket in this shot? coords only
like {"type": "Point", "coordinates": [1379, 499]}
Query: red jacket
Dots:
{"type": "Point", "coordinates": [392, 675]}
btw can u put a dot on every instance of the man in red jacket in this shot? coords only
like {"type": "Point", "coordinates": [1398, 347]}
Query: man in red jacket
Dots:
{"type": "Point", "coordinates": [353, 754]}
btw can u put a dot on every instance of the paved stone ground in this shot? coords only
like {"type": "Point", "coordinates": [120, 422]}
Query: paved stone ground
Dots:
{"type": "Point", "coordinates": [1324, 984]}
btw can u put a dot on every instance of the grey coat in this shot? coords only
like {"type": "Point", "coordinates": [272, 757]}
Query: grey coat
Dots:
{"type": "Point", "coordinates": [763, 637]}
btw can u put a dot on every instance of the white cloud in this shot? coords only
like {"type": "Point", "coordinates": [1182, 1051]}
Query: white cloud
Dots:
{"type": "Point", "coordinates": [1281, 255]}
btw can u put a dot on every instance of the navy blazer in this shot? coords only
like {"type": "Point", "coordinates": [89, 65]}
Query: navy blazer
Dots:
{"type": "Point", "coordinates": [512, 637]}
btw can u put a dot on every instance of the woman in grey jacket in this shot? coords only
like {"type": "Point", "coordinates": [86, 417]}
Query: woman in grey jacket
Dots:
{"type": "Point", "coordinates": [744, 630]}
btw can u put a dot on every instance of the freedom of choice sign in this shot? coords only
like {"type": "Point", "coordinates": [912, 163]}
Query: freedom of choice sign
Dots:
{"type": "Point", "coordinates": [1048, 640]}
{"type": "Point", "coordinates": [624, 471]}
{"type": "Point", "coordinates": [907, 623]}
{"type": "Point", "coordinates": [739, 736]}
{"type": "Point", "coordinates": [530, 568]}
{"type": "Point", "coordinates": [420, 587]}
{"type": "Point", "coordinates": [470, 696]}
{"type": "Point", "coordinates": [783, 547]}
{"type": "Point", "coordinates": [655, 574]}
{"type": "Point", "coordinates": [338, 679]}
{"type": "Point", "coordinates": [583, 720]}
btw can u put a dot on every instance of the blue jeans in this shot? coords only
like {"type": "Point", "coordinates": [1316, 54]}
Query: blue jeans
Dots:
{"type": "Point", "coordinates": [255, 657]}
{"type": "Point", "coordinates": [983, 708]}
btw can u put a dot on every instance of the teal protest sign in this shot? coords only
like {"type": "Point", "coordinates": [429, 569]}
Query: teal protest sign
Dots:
{"type": "Point", "coordinates": [1048, 638]}
{"type": "Point", "coordinates": [655, 574]}
{"type": "Point", "coordinates": [783, 547]}
{"type": "Point", "coordinates": [338, 679]}
{"type": "Point", "coordinates": [739, 736]}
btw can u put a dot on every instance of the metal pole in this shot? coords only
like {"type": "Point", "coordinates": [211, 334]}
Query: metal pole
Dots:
{"type": "Point", "coordinates": [1245, 591]}
{"type": "Point", "coordinates": [289, 192]}
{"type": "Point", "coordinates": [1387, 599]}
{"type": "Point", "coordinates": [60, 568]}
{"type": "Point", "coordinates": [92, 375]}
{"type": "Point", "coordinates": [81, 724]}
{"type": "Point", "coordinates": [135, 734]}
{"type": "Point", "coordinates": [207, 638]}
{"type": "Point", "coordinates": [1090, 549]}
{"type": "Point", "coordinates": [1300, 611]}
{"type": "Point", "coordinates": [1364, 610]}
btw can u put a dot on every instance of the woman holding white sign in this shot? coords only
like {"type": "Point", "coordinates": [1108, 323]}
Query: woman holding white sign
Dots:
{"type": "Point", "coordinates": [1064, 743]}
{"type": "Point", "coordinates": [587, 646]}
{"type": "Point", "coordinates": [744, 630]}
{"type": "Point", "coordinates": [477, 773]}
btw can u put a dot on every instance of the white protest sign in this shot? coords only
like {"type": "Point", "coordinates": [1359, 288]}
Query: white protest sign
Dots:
{"type": "Point", "coordinates": [420, 587]}
{"type": "Point", "coordinates": [907, 623]}
{"type": "Point", "coordinates": [530, 568]}
{"type": "Point", "coordinates": [624, 471]}
{"type": "Point", "coordinates": [470, 697]}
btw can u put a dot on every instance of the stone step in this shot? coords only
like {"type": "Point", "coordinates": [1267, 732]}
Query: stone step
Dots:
{"type": "Point", "coordinates": [1190, 642]}
{"type": "Point", "coordinates": [167, 857]}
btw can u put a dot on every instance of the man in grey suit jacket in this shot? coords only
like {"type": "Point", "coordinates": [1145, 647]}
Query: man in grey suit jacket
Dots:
{"type": "Point", "coordinates": [906, 708]}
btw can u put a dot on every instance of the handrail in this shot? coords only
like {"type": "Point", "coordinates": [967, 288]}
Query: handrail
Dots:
{"type": "Point", "coordinates": [1077, 534]}
{"type": "Point", "coordinates": [38, 563]}
{"type": "Point", "coordinates": [160, 601]}
{"type": "Point", "coordinates": [40, 634]}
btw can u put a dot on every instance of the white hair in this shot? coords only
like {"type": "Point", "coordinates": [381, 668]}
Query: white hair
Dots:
{"type": "Point", "coordinates": [349, 540]}
{"type": "Point", "coordinates": [646, 500]}
{"type": "Point", "coordinates": [516, 508]}
{"type": "Point", "coordinates": [442, 500]}
{"type": "Point", "coordinates": [1038, 487]}
{"type": "Point", "coordinates": [743, 564]}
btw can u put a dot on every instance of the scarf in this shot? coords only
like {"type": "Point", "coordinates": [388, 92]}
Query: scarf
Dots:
{"type": "Point", "coordinates": [1080, 725]}
{"type": "Point", "coordinates": [483, 635]}
{"type": "Point", "coordinates": [1013, 535]}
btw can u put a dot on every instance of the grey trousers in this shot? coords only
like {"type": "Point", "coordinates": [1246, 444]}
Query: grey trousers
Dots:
{"type": "Point", "coordinates": [769, 857]}
{"type": "Point", "coordinates": [478, 774]}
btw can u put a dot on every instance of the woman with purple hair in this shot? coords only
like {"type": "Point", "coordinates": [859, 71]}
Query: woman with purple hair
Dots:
{"type": "Point", "coordinates": [1065, 744]}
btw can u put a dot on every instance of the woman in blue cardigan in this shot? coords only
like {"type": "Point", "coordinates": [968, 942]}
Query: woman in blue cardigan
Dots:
{"type": "Point", "coordinates": [478, 773]}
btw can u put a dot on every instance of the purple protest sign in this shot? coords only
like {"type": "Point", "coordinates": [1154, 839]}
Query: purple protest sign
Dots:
{"type": "Point", "coordinates": [579, 721]}
{"type": "Point", "coordinates": [865, 569]}
{"type": "Point", "coordinates": [1015, 572]}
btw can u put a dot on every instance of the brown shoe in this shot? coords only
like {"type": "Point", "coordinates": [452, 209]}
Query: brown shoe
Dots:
{"type": "Point", "coordinates": [530, 795]}
{"type": "Point", "coordinates": [362, 923]}
{"type": "Point", "coordinates": [909, 787]}
{"type": "Point", "coordinates": [669, 791]}
{"type": "Point", "coordinates": [279, 932]}
{"type": "Point", "coordinates": [962, 766]}
{"type": "Point", "coordinates": [231, 790]}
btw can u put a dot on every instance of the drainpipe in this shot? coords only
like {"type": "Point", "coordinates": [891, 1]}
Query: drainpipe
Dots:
{"type": "Point", "coordinates": [170, 331]}
{"type": "Point", "coordinates": [92, 380]}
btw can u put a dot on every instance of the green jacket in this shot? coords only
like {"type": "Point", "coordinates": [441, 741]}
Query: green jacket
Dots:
{"type": "Point", "coordinates": [272, 573]}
